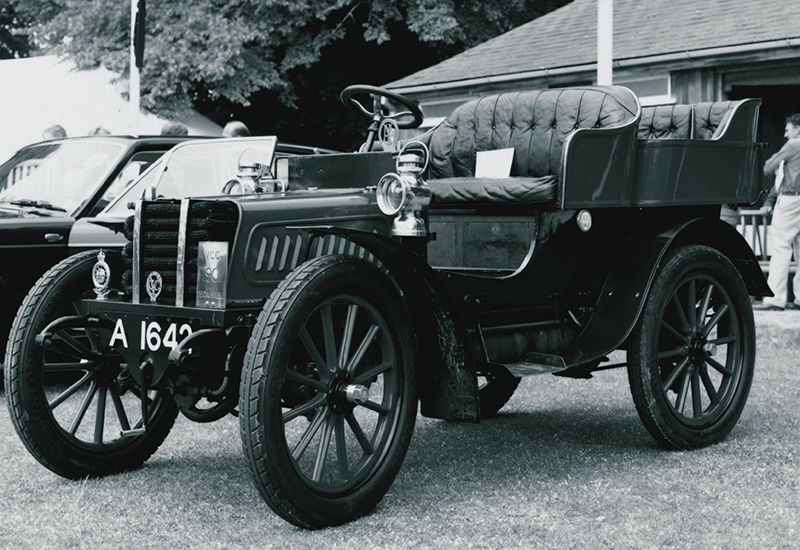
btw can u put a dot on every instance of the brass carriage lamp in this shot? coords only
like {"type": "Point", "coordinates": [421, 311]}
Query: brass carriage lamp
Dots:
{"type": "Point", "coordinates": [404, 194]}
{"type": "Point", "coordinates": [253, 176]}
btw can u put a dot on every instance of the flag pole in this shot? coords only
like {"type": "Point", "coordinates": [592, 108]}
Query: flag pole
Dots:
{"type": "Point", "coordinates": [605, 41]}
{"type": "Point", "coordinates": [137, 54]}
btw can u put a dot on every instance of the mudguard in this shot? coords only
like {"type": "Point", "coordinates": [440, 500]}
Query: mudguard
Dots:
{"type": "Point", "coordinates": [624, 291]}
{"type": "Point", "coordinates": [446, 380]}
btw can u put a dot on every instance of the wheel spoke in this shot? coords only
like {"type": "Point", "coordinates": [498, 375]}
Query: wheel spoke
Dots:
{"type": "Point", "coordinates": [361, 437]}
{"type": "Point", "coordinates": [709, 385]}
{"type": "Point", "coordinates": [295, 376]}
{"type": "Point", "coordinates": [322, 449]}
{"type": "Point", "coordinates": [704, 305]}
{"type": "Point", "coordinates": [674, 331]}
{"type": "Point", "coordinates": [715, 319]}
{"type": "Point", "coordinates": [81, 350]}
{"type": "Point", "coordinates": [347, 336]}
{"type": "Point", "coordinates": [697, 402]}
{"type": "Point", "coordinates": [680, 402]}
{"type": "Point", "coordinates": [100, 417]}
{"type": "Point", "coordinates": [377, 370]}
{"type": "Point", "coordinates": [377, 407]}
{"type": "Point", "coordinates": [675, 373]}
{"type": "Point", "coordinates": [717, 365]}
{"type": "Point", "coordinates": [90, 334]}
{"type": "Point", "coordinates": [341, 449]}
{"type": "Point", "coordinates": [363, 347]}
{"type": "Point", "coordinates": [66, 394]}
{"type": "Point", "coordinates": [87, 399]}
{"type": "Point", "coordinates": [313, 352]}
{"type": "Point", "coordinates": [723, 340]}
{"type": "Point", "coordinates": [692, 304]}
{"type": "Point", "coordinates": [329, 337]}
{"type": "Point", "coordinates": [674, 352]}
{"type": "Point", "coordinates": [68, 367]}
{"type": "Point", "coordinates": [121, 415]}
{"type": "Point", "coordinates": [309, 434]}
{"type": "Point", "coordinates": [681, 313]}
{"type": "Point", "coordinates": [309, 405]}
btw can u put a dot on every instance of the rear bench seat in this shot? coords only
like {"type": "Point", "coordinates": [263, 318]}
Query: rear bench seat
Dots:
{"type": "Point", "coordinates": [699, 121]}
{"type": "Point", "coordinates": [535, 123]}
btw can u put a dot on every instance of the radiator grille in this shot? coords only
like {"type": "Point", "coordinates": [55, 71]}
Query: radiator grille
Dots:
{"type": "Point", "coordinates": [160, 243]}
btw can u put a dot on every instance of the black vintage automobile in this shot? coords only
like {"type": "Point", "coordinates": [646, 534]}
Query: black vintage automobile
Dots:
{"type": "Point", "coordinates": [321, 298]}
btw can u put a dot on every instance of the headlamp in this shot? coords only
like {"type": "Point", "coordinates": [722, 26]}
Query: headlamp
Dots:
{"type": "Point", "coordinates": [392, 194]}
{"type": "Point", "coordinates": [405, 194]}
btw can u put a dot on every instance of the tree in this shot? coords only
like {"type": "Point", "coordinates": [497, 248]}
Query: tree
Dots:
{"type": "Point", "coordinates": [249, 57]}
{"type": "Point", "coordinates": [13, 39]}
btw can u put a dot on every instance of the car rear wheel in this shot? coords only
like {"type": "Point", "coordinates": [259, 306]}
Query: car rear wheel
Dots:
{"type": "Point", "coordinates": [692, 353]}
{"type": "Point", "coordinates": [327, 405]}
{"type": "Point", "coordinates": [70, 396]}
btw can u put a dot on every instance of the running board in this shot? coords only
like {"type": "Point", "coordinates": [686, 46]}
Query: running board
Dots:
{"type": "Point", "coordinates": [537, 363]}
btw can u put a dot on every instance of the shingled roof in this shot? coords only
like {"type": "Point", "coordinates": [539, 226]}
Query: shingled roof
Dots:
{"type": "Point", "coordinates": [643, 30]}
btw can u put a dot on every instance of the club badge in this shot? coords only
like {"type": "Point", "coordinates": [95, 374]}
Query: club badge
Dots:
{"type": "Point", "coordinates": [154, 284]}
{"type": "Point", "coordinates": [388, 134]}
{"type": "Point", "coordinates": [101, 276]}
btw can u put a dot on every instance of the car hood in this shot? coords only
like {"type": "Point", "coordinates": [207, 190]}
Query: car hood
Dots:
{"type": "Point", "coordinates": [8, 210]}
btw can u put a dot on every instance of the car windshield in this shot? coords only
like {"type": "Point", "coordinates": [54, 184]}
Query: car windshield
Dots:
{"type": "Point", "coordinates": [57, 176]}
{"type": "Point", "coordinates": [196, 169]}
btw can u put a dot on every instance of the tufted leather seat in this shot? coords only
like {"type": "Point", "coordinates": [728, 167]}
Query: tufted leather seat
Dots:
{"type": "Point", "coordinates": [535, 123]}
{"type": "Point", "coordinates": [710, 118]}
{"type": "Point", "coordinates": [699, 121]}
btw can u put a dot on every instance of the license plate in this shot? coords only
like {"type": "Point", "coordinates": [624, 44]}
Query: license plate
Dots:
{"type": "Point", "coordinates": [149, 335]}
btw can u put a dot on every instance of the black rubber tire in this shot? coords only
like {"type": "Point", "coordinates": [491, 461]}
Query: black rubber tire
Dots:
{"type": "Point", "coordinates": [95, 448]}
{"type": "Point", "coordinates": [281, 375]}
{"type": "Point", "coordinates": [495, 388]}
{"type": "Point", "coordinates": [692, 352]}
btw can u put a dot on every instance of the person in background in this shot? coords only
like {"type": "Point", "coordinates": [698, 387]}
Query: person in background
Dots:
{"type": "Point", "coordinates": [785, 235]}
{"type": "Point", "coordinates": [235, 129]}
{"type": "Point", "coordinates": [174, 129]}
{"type": "Point", "coordinates": [54, 132]}
{"type": "Point", "coordinates": [99, 131]}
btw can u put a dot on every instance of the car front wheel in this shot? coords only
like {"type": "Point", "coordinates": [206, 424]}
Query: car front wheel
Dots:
{"type": "Point", "coordinates": [327, 406]}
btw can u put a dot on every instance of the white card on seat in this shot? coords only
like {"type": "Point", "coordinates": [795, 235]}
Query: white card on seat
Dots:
{"type": "Point", "coordinates": [494, 164]}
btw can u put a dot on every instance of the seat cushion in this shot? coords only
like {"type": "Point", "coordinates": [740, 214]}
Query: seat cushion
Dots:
{"type": "Point", "coordinates": [462, 191]}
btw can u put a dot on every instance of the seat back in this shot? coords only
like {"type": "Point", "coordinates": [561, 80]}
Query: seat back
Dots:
{"type": "Point", "coordinates": [534, 123]}
{"type": "Point", "coordinates": [699, 121]}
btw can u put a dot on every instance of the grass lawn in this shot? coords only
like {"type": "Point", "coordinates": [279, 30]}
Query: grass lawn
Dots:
{"type": "Point", "coordinates": [567, 464]}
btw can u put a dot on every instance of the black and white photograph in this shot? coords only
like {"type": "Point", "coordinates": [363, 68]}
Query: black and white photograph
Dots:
{"type": "Point", "coordinates": [399, 274]}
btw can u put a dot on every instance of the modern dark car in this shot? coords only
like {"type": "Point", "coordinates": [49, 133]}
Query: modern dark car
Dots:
{"type": "Point", "coordinates": [45, 188]}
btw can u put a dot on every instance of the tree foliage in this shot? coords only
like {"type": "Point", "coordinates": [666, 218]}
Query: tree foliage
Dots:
{"type": "Point", "coordinates": [223, 56]}
{"type": "Point", "coordinates": [13, 39]}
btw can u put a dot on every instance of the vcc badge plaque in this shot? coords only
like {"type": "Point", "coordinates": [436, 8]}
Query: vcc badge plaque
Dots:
{"type": "Point", "coordinates": [212, 274]}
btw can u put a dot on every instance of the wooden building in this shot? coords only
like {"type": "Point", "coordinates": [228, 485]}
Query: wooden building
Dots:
{"type": "Point", "coordinates": [667, 51]}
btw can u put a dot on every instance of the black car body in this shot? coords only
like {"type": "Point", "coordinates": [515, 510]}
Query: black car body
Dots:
{"type": "Point", "coordinates": [321, 304]}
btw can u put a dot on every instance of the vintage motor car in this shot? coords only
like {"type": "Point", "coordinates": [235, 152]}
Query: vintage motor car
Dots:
{"type": "Point", "coordinates": [322, 297]}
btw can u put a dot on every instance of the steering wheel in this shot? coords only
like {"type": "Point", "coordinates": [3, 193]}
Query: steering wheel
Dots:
{"type": "Point", "coordinates": [376, 115]}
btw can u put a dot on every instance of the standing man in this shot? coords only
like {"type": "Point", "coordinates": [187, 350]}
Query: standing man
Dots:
{"type": "Point", "coordinates": [785, 219]}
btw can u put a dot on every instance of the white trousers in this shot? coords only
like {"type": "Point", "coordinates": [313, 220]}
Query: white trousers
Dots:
{"type": "Point", "coordinates": [784, 238]}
